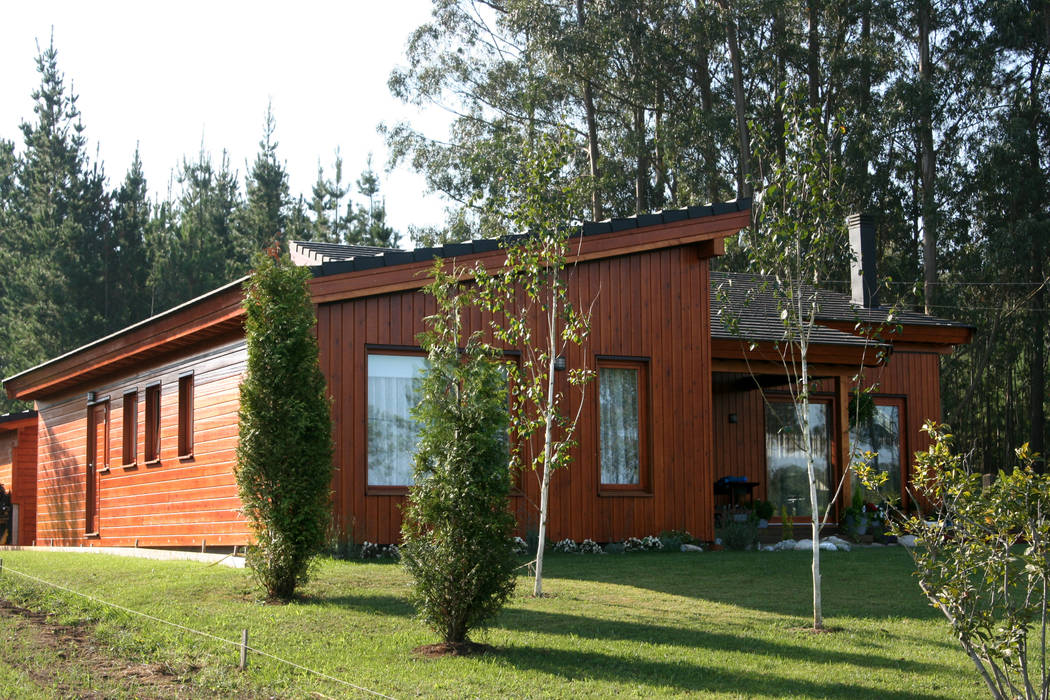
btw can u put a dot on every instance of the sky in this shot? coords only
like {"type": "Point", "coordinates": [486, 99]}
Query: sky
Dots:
{"type": "Point", "coordinates": [175, 76]}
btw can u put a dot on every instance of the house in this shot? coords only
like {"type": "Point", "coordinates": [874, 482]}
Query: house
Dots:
{"type": "Point", "coordinates": [18, 476]}
{"type": "Point", "coordinates": [137, 431]}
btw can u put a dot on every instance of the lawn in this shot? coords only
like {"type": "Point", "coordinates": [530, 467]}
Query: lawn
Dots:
{"type": "Point", "coordinates": [717, 624]}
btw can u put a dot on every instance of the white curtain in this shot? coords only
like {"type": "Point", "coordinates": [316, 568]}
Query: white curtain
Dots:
{"type": "Point", "coordinates": [618, 425]}
{"type": "Point", "coordinates": [786, 461]}
{"type": "Point", "coordinates": [393, 434]}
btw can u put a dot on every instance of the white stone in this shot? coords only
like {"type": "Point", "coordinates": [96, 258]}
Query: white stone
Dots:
{"type": "Point", "coordinates": [691, 548]}
{"type": "Point", "coordinates": [828, 547]}
{"type": "Point", "coordinates": [803, 545]}
{"type": "Point", "coordinates": [786, 544]}
{"type": "Point", "coordinates": [906, 540]}
{"type": "Point", "coordinates": [769, 548]}
{"type": "Point", "coordinates": [838, 542]}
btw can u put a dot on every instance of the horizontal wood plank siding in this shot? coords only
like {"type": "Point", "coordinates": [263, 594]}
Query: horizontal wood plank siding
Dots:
{"type": "Point", "coordinates": [172, 502]}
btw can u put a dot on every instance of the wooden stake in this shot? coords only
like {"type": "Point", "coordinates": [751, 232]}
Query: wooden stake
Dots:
{"type": "Point", "coordinates": [204, 543]}
{"type": "Point", "coordinates": [244, 649]}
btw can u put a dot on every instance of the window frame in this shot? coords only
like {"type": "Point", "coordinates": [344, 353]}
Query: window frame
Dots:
{"type": "Point", "coordinates": [830, 402]}
{"type": "Point", "coordinates": [185, 422]}
{"type": "Point", "coordinates": [382, 350]}
{"type": "Point", "coordinates": [900, 401]}
{"type": "Point", "coordinates": [152, 446]}
{"type": "Point", "coordinates": [93, 471]}
{"type": "Point", "coordinates": [643, 487]}
{"type": "Point", "coordinates": [129, 417]}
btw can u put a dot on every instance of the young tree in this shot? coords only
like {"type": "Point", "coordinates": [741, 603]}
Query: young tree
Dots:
{"type": "Point", "coordinates": [982, 557]}
{"type": "Point", "coordinates": [797, 242]}
{"type": "Point", "coordinates": [457, 528]}
{"type": "Point", "coordinates": [284, 457]}
{"type": "Point", "coordinates": [369, 224]}
{"type": "Point", "coordinates": [532, 312]}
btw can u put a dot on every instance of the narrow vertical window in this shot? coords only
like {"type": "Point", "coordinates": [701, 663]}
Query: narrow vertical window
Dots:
{"type": "Point", "coordinates": [186, 416]}
{"type": "Point", "coordinates": [152, 447]}
{"type": "Point", "coordinates": [130, 416]}
{"type": "Point", "coordinates": [880, 433]}
{"type": "Point", "coordinates": [393, 390]}
{"type": "Point", "coordinates": [622, 424]}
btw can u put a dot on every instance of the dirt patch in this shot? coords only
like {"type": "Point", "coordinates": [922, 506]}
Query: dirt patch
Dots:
{"type": "Point", "coordinates": [436, 651]}
{"type": "Point", "coordinates": [77, 652]}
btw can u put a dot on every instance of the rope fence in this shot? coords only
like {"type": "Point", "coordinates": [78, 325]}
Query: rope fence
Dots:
{"type": "Point", "coordinates": [241, 645]}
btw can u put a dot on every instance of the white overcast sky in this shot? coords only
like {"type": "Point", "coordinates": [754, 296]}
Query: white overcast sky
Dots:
{"type": "Point", "coordinates": [175, 75]}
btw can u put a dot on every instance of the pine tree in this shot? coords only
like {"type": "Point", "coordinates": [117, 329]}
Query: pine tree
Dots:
{"type": "Point", "coordinates": [369, 224]}
{"type": "Point", "coordinates": [264, 218]}
{"type": "Point", "coordinates": [284, 456]}
{"type": "Point", "coordinates": [129, 261]}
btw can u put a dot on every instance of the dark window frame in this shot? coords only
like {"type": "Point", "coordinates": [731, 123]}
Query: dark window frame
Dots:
{"type": "Point", "coordinates": [151, 448]}
{"type": "Point", "coordinates": [185, 435]}
{"type": "Point", "coordinates": [644, 485]}
{"type": "Point", "coordinates": [130, 418]}
{"type": "Point", "coordinates": [383, 350]}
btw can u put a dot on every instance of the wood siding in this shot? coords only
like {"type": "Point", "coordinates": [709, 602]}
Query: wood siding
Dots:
{"type": "Point", "coordinates": [739, 448]}
{"type": "Point", "coordinates": [18, 456]}
{"type": "Point", "coordinates": [651, 305]}
{"type": "Point", "coordinates": [168, 502]}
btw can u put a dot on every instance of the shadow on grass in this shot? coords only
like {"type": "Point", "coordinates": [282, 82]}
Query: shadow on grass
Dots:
{"type": "Point", "coordinates": [380, 604]}
{"type": "Point", "coordinates": [873, 584]}
{"type": "Point", "coordinates": [694, 678]}
{"type": "Point", "coordinates": [744, 643]}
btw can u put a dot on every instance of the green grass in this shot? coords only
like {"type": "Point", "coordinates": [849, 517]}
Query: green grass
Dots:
{"type": "Point", "coordinates": [722, 624]}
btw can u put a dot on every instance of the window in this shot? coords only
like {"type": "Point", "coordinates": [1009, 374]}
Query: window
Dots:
{"type": "Point", "coordinates": [393, 390]}
{"type": "Point", "coordinates": [130, 416]}
{"type": "Point", "coordinates": [788, 482]}
{"type": "Point", "coordinates": [186, 416]}
{"type": "Point", "coordinates": [152, 448]}
{"type": "Point", "coordinates": [622, 430]}
{"type": "Point", "coordinates": [880, 433]}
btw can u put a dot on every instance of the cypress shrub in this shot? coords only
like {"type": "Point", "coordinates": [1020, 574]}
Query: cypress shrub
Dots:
{"type": "Point", "coordinates": [284, 457]}
{"type": "Point", "coordinates": [457, 527]}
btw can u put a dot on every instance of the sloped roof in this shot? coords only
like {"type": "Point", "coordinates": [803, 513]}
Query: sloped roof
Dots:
{"type": "Point", "coordinates": [334, 258]}
{"type": "Point", "coordinates": [759, 318]}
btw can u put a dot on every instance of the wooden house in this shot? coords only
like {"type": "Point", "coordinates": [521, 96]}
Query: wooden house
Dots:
{"type": "Point", "coordinates": [137, 431]}
{"type": "Point", "coordinates": [18, 476]}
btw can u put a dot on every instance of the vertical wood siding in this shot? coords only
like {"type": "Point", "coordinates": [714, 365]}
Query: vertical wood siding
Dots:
{"type": "Point", "coordinates": [739, 449]}
{"type": "Point", "coordinates": [649, 305]}
{"type": "Point", "coordinates": [172, 502]}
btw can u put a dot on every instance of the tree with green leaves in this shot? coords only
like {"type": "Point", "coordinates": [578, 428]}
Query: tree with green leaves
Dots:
{"type": "Point", "coordinates": [369, 225]}
{"type": "Point", "coordinates": [531, 311]}
{"type": "Point", "coordinates": [982, 559]}
{"type": "Point", "coordinates": [263, 220]}
{"type": "Point", "coordinates": [798, 241]}
{"type": "Point", "coordinates": [129, 269]}
{"type": "Point", "coordinates": [284, 455]}
{"type": "Point", "coordinates": [457, 528]}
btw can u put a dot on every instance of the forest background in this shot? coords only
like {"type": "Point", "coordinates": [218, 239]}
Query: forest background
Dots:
{"type": "Point", "coordinates": [937, 113]}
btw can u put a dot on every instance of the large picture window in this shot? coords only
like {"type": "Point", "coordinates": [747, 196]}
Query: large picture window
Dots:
{"type": "Point", "coordinates": [788, 481]}
{"type": "Point", "coordinates": [393, 434]}
{"type": "Point", "coordinates": [622, 433]}
{"type": "Point", "coordinates": [880, 433]}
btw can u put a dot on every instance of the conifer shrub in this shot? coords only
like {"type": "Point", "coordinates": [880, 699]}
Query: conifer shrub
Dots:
{"type": "Point", "coordinates": [284, 456]}
{"type": "Point", "coordinates": [457, 528]}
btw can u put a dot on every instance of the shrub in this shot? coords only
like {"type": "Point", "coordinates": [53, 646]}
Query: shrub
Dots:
{"type": "Point", "coordinates": [983, 560]}
{"type": "Point", "coordinates": [590, 547]}
{"type": "Point", "coordinates": [566, 546]}
{"type": "Point", "coordinates": [519, 546]}
{"type": "Point", "coordinates": [739, 534]}
{"type": "Point", "coordinates": [371, 550]}
{"type": "Point", "coordinates": [457, 528]}
{"type": "Point", "coordinates": [284, 455]}
{"type": "Point", "coordinates": [672, 540]}
{"type": "Point", "coordinates": [646, 544]}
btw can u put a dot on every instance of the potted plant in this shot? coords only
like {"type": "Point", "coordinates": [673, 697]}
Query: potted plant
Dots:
{"type": "Point", "coordinates": [763, 511]}
{"type": "Point", "coordinates": [855, 519]}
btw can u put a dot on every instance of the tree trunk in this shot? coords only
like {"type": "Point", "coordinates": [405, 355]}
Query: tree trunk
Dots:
{"type": "Point", "coordinates": [592, 130]}
{"type": "Point", "coordinates": [779, 78]}
{"type": "Point", "coordinates": [743, 175]}
{"type": "Point", "coordinates": [813, 53]}
{"type": "Point", "coordinates": [929, 163]}
{"type": "Point", "coordinates": [658, 195]}
{"type": "Point", "coordinates": [641, 180]}
{"type": "Point", "coordinates": [709, 148]}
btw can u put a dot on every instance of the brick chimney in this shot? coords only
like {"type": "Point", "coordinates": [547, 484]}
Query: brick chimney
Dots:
{"type": "Point", "coordinates": [863, 277]}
